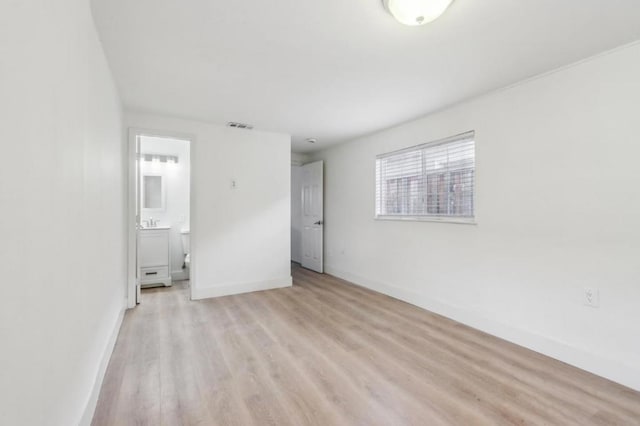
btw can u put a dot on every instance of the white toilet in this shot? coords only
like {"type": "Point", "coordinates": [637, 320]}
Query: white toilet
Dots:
{"type": "Point", "coordinates": [186, 249]}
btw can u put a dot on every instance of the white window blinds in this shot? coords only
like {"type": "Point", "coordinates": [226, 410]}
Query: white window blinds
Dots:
{"type": "Point", "coordinates": [435, 180]}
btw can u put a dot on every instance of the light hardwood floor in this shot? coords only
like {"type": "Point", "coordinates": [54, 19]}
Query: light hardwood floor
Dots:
{"type": "Point", "coordinates": [326, 352]}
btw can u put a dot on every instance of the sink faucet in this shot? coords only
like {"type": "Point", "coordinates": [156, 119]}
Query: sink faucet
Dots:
{"type": "Point", "coordinates": [151, 223]}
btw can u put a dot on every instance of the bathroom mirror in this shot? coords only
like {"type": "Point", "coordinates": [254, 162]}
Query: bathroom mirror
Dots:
{"type": "Point", "coordinates": [153, 192]}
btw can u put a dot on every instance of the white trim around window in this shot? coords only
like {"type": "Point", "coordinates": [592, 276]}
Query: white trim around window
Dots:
{"type": "Point", "coordinates": [432, 182]}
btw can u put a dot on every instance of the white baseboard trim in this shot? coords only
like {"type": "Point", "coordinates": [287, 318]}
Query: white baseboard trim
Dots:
{"type": "Point", "coordinates": [239, 288]}
{"type": "Point", "coordinates": [90, 407]}
{"type": "Point", "coordinates": [624, 374]}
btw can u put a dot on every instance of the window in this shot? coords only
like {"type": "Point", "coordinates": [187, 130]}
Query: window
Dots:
{"type": "Point", "coordinates": [433, 181]}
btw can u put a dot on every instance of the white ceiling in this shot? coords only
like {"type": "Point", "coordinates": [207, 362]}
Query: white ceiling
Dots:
{"type": "Point", "coordinates": [337, 69]}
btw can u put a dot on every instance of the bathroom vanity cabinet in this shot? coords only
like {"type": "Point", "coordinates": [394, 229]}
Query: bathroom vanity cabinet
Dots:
{"type": "Point", "coordinates": [154, 257]}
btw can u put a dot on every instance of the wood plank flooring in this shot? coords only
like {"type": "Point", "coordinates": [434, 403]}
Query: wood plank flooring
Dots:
{"type": "Point", "coordinates": [326, 352]}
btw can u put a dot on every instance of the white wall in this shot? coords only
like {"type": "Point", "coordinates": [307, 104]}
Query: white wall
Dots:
{"type": "Point", "coordinates": [62, 228]}
{"type": "Point", "coordinates": [176, 180]}
{"type": "Point", "coordinates": [240, 238]}
{"type": "Point", "coordinates": [298, 159]}
{"type": "Point", "coordinates": [558, 203]}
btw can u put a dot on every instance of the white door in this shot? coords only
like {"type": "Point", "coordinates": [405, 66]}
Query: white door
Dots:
{"type": "Point", "coordinates": [138, 222]}
{"type": "Point", "coordinates": [312, 215]}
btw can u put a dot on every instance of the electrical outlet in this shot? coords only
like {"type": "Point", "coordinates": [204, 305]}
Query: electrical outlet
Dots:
{"type": "Point", "coordinates": [591, 297]}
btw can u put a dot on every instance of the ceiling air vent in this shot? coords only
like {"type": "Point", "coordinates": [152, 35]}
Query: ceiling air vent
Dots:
{"type": "Point", "coordinates": [239, 125]}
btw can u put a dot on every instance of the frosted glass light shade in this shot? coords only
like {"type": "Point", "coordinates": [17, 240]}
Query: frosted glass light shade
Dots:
{"type": "Point", "coordinates": [416, 12]}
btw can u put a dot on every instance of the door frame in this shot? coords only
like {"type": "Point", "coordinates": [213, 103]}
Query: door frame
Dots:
{"type": "Point", "coordinates": [132, 134]}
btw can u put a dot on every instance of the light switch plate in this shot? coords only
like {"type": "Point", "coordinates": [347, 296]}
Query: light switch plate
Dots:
{"type": "Point", "coordinates": [591, 297]}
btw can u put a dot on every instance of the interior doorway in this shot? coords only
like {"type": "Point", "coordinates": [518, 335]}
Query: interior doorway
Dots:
{"type": "Point", "coordinates": [160, 212]}
{"type": "Point", "coordinates": [312, 183]}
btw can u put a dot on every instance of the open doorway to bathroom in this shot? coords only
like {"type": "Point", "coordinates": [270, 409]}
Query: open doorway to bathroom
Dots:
{"type": "Point", "coordinates": [160, 235]}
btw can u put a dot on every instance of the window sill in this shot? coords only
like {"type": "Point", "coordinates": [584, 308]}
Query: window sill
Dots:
{"type": "Point", "coordinates": [457, 220]}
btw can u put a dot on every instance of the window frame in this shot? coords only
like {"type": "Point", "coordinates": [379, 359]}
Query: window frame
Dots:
{"type": "Point", "coordinates": [465, 220]}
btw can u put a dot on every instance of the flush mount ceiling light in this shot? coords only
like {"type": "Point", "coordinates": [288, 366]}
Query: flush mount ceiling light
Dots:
{"type": "Point", "coordinates": [416, 12]}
